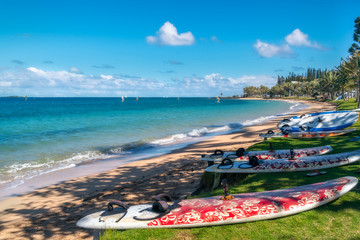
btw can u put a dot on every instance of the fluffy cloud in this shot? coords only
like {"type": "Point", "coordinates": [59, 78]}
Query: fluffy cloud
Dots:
{"type": "Point", "coordinates": [38, 82]}
{"type": "Point", "coordinates": [271, 50]}
{"type": "Point", "coordinates": [300, 39]}
{"type": "Point", "coordinates": [75, 70]}
{"type": "Point", "coordinates": [168, 35]}
{"type": "Point", "coordinates": [213, 84]}
{"type": "Point", "coordinates": [296, 39]}
{"type": "Point", "coordinates": [5, 84]}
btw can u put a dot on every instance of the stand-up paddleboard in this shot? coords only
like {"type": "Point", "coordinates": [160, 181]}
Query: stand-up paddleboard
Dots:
{"type": "Point", "coordinates": [315, 122]}
{"type": "Point", "coordinates": [308, 134]}
{"type": "Point", "coordinates": [242, 155]}
{"type": "Point", "coordinates": [211, 211]}
{"type": "Point", "coordinates": [286, 165]}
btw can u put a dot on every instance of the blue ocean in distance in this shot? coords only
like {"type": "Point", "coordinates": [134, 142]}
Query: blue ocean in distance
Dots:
{"type": "Point", "coordinates": [41, 135]}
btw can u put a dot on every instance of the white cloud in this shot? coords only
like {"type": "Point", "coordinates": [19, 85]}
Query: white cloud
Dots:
{"type": "Point", "coordinates": [299, 39]}
{"type": "Point", "coordinates": [213, 84]}
{"type": "Point", "coordinates": [38, 82]}
{"type": "Point", "coordinates": [75, 70]}
{"type": "Point", "coordinates": [107, 77]}
{"type": "Point", "coordinates": [168, 35]}
{"type": "Point", "coordinates": [5, 84]}
{"type": "Point", "coordinates": [271, 50]}
{"type": "Point", "coordinates": [64, 83]}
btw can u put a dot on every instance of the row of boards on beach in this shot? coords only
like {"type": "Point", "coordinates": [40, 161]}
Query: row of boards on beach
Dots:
{"type": "Point", "coordinates": [246, 207]}
{"type": "Point", "coordinates": [164, 213]}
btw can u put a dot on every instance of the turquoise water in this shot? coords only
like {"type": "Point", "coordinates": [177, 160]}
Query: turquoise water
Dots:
{"type": "Point", "coordinates": [45, 134]}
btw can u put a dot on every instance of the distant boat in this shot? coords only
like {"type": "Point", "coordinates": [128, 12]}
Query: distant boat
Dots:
{"type": "Point", "coordinates": [178, 98]}
{"type": "Point", "coordinates": [137, 98]}
{"type": "Point", "coordinates": [25, 97]}
{"type": "Point", "coordinates": [122, 98]}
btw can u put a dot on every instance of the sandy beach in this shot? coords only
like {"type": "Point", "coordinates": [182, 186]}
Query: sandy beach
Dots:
{"type": "Point", "coordinates": [51, 212]}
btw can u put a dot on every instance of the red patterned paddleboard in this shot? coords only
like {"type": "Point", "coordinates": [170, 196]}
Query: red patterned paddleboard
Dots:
{"type": "Point", "coordinates": [276, 154]}
{"type": "Point", "coordinates": [214, 211]}
{"type": "Point", "coordinates": [286, 165]}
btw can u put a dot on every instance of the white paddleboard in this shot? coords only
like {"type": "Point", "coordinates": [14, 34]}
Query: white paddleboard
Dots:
{"type": "Point", "coordinates": [246, 207]}
{"type": "Point", "coordinates": [286, 165]}
{"type": "Point", "coordinates": [276, 154]}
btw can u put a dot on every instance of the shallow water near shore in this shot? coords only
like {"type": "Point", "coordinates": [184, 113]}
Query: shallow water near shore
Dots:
{"type": "Point", "coordinates": [88, 135]}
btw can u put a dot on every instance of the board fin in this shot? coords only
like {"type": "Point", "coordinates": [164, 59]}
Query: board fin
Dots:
{"type": "Point", "coordinates": [225, 186]}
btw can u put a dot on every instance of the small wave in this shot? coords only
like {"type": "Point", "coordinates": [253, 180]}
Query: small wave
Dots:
{"type": "Point", "coordinates": [297, 106]}
{"type": "Point", "coordinates": [171, 139]}
{"type": "Point", "coordinates": [125, 148]}
{"type": "Point", "coordinates": [258, 120]}
{"type": "Point", "coordinates": [220, 129]}
{"type": "Point", "coordinates": [198, 132]}
{"type": "Point", "coordinates": [18, 171]}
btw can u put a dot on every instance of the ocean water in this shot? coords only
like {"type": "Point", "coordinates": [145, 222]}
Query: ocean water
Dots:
{"type": "Point", "coordinates": [42, 135]}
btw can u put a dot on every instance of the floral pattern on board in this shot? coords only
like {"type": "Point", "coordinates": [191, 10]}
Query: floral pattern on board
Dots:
{"type": "Point", "coordinates": [212, 210]}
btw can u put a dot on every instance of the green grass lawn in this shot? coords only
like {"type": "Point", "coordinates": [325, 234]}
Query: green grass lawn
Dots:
{"type": "Point", "coordinates": [337, 220]}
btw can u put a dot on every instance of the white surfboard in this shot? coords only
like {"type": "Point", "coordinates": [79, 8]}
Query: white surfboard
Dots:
{"type": "Point", "coordinates": [314, 122]}
{"type": "Point", "coordinates": [286, 165]}
{"type": "Point", "coordinates": [319, 134]}
{"type": "Point", "coordinates": [275, 154]}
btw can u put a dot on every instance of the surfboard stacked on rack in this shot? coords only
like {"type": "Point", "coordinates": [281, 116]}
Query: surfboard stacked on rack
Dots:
{"type": "Point", "coordinates": [315, 125]}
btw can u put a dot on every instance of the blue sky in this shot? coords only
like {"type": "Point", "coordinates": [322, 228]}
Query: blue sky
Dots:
{"type": "Point", "coordinates": [165, 48]}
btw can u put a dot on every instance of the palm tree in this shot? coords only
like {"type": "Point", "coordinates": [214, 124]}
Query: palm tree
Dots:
{"type": "Point", "coordinates": [288, 87]}
{"type": "Point", "coordinates": [264, 91]}
{"type": "Point", "coordinates": [351, 67]}
{"type": "Point", "coordinates": [328, 83]}
{"type": "Point", "coordinates": [310, 87]}
{"type": "Point", "coordinates": [345, 83]}
{"type": "Point", "coordinates": [276, 91]}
